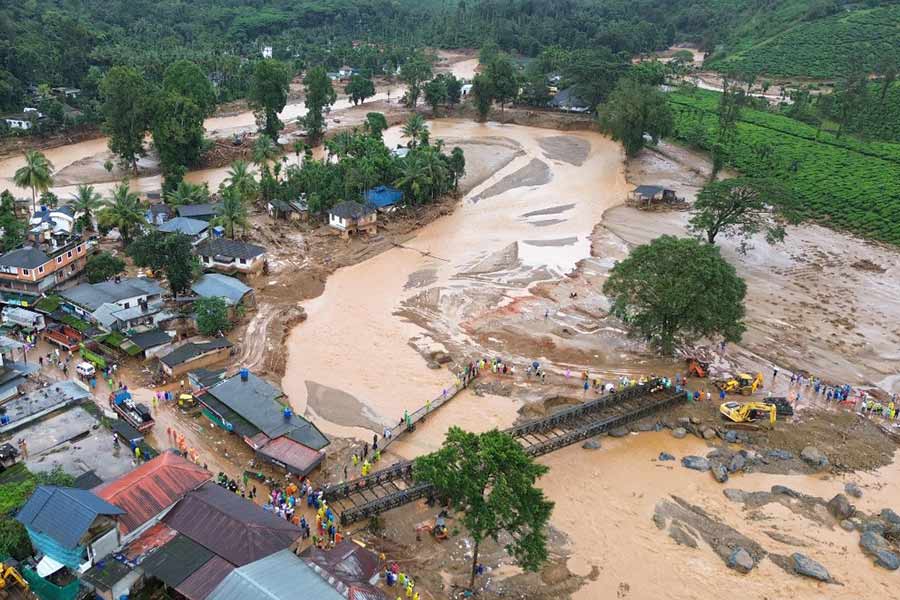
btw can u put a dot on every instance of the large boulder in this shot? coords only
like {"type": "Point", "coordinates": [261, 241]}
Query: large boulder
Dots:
{"type": "Point", "coordinates": [619, 432]}
{"type": "Point", "coordinates": [890, 516]}
{"type": "Point", "coordinates": [847, 525]}
{"type": "Point", "coordinates": [740, 560]}
{"type": "Point", "coordinates": [591, 444]}
{"type": "Point", "coordinates": [735, 495]}
{"type": "Point", "coordinates": [698, 463]}
{"type": "Point", "coordinates": [663, 456]}
{"type": "Point", "coordinates": [737, 463]}
{"type": "Point", "coordinates": [807, 567]}
{"type": "Point", "coordinates": [814, 457]}
{"type": "Point", "coordinates": [731, 437]}
{"type": "Point", "coordinates": [876, 546]}
{"type": "Point", "coordinates": [679, 432]}
{"type": "Point", "coordinates": [853, 490]}
{"type": "Point", "coordinates": [840, 508]}
{"type": "Point", "coordinates": [709, 433]}
{"type": "Point", "coordinates": [719, 473]}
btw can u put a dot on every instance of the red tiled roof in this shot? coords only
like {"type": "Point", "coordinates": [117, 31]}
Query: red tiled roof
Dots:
{"type": "Point", "coordinates": [291, 453]}
{"type": "Point", "coordinates": [204, 580]}
{"type": "Point", "coordinates": [235, 529]}
{"type": "Point", "coordinates": [151, 488]}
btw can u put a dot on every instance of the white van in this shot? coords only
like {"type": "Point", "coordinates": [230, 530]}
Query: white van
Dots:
{"type": "Point", "coordinates": [85, 369]}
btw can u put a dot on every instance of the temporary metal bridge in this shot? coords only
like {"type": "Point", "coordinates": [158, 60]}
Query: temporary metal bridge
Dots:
{"type": "Point", "coordinates": [394, 486]}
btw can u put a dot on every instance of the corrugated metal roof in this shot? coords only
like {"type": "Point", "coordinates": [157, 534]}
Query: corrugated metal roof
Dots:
{"type": "Point", "coordinates": [151, 488]}
{"type": "Point", "coordinates": [190, 350]}
{"type": "Point", "coordinates": [288, 452]}
{"type": "Point", "coordinates": [63, 514]}
{"type": "Point", "coordinates": [281, 576]}
{"type": "Point", "coordinates": [347, 561]}
{"type": "Point", "coordinates": [174, 562]}
{"type": "Point", "coordinates": [221, 286]}
{"type": "Point", "coordinates": [184, 225]}
{"type": "Point", "coordinates": [205, 579]}
{"type": "Point", "coordinates": [235, 529]}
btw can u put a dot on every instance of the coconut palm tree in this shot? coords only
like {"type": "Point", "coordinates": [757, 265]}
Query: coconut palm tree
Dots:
{"type": "Point", "coordinates": [242, 179]}
{"type": "Point", "coordinates": [86, 201]}
{"type": "Point", "coordinates": [234, 211]}
{"type": "Point", "coordinates": [412, 129]}
{"type": "Point", "coordinates": [36, 173]}
{"type": "Point", "coordinates": [124, 211]}
{"type": "Point", "coordinates": [264, 150]}
{"type": "Point", "coordinates": [187, 193]}
{"type": "Point", "coordinates": [299, 147]}
{"type": "Point", "coordinates": [414, 180]}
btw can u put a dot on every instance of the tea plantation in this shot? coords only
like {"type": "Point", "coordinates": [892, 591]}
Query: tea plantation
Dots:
{"type": "Point", "coordinates": [843, 182]}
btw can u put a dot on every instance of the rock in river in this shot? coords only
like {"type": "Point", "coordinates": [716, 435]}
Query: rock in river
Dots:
{"type": "Point", "coordinates": [780, 454]}
{"type": "Point", "coordinates": [814, 457]}
{"type": "Point", "coordinates": [737, 463]}
{"type": "Point", "coordinates": [592, 444]}
{"type": "Point", "coordinates": [709, 433]}
{"type": "Point", "coordinates": [806, 566]}
{"type": "Point", "coordinates": [840, 508]}
{"type": "Point", "coordinates": [698, 463]}
{"type": "Point", "coordinates": [665, 456]}
{"type": "Point", "coordinates": [719, 473]}
{"type": "Point", "coordinates": [740, 560]}
{"type": "Point", "coordinates": [619, 432]}
{"type": "Point", "coordinates": [876, 546]}
{"type": "Point", "coordinates": [853, 490]}
{"type": "Point", "coordinates": [679, 432]}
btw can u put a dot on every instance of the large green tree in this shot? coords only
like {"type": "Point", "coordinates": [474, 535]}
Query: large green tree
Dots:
{"type": "Point", "coordinates": [375, 124]}
{"type": "Point", "coordinates": [177, 135]}
{"type": "Point", "coordinates": [634, 110]}
{"type": "Point", "coordinates": [483, 95]}
{"type": "Point", "coordinates": [268, 94]}
{"type": "Point", "coordinates": [675, 289]}
{"type": "Point", "coordinates": [320, 95]}
{"type": "Point", "coordinates": [186, 78]}
{"type": "Point", "coordinates": [13, 228]}
{"type": "Point", "coordinates": [740, 208]}
{"type": "Point", "coordinates": [103, 266]}
{"type": "Point", "coordinates": [187, 193]}
{"type": "Point", "coordinates": [501, 72]}
{"type": "Point", "coordinates": [126, 110]}
{"type": "Point", "coordinates": [594, 73]}
{"type": "Point", "coordinates": [234, 211]}
{"type": "Point", "coordinates": [212, 315]}
{"type": "Point", "coordinates": [414, 73]}
{"type": "Point", "coordinates": [36, 173]}
{"type": "Point", "coordinates": [169, 253]}
{"type": "Point", "coordinates": [359, 89]}
{"type": "Point", "coordinates": [491, 479]}
{"type": "Point", "coordinates": [436, 93]}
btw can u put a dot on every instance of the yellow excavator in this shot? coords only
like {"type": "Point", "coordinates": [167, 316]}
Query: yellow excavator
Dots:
{"type": "Point", "coordinates": [744, 384]}
{"type": "Point", "coordinates": [747, 412]}
{"type": "Point", "coordinates": [9, 575]}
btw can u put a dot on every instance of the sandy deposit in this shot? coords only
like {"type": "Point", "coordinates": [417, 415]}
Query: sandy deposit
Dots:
{"type": "Point", "coordinates": [605, 501]}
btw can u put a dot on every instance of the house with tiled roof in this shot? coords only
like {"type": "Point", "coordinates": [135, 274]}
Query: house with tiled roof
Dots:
{"type": "Point", "coordinates": [231, 256]}
{"type": "Point", "coordinates": [148, 492]}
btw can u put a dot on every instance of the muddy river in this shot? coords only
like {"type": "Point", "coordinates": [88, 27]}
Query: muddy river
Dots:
{"type": "Point", "coordinates": [527, 218]}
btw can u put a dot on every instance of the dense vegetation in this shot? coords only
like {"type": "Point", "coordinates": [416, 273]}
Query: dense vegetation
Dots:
{"type": "Point", "coordinates": [820, 47]}
{"type": "Point", "coordinates": [848, 183]}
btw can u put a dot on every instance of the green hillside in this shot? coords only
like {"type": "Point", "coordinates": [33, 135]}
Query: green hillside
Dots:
{"type": "Point", "coordinates": [820, 48]}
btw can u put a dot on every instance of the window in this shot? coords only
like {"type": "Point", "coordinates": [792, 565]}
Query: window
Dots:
{"type": "Point", "coordinates": [59, 260]}
{"type": "Point", "coordinates": [78, 249]}
{"type": "Point", "coordinates": [125, 305]}
{"type": "Point", "coordinates": [25, 272]}
{"type": "Point", "coordinates": [40, 269]}
{"type": "Point", "coordinates": [69, 254]}
{"type": "Point", "coordinates": [243, 261]}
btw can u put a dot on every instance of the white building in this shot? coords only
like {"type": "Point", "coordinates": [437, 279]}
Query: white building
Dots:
{"type": "Point", "coordinates": [19, 121]}
{"type": "Point", "coordinates": [267, 51]}
{"type": "Point", "coordinates": [352, 217]}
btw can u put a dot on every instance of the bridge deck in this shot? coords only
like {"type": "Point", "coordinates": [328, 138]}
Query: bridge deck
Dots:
{"type": "Point", "coordinates": [393, 486]}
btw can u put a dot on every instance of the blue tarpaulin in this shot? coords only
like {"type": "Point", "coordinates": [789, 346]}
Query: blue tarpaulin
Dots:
{"type": "Point", "coordinates": [383, 196]}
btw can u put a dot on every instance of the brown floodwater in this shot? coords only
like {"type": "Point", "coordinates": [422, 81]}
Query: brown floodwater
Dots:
{"type": "Point", "coordinates": [353, 339]}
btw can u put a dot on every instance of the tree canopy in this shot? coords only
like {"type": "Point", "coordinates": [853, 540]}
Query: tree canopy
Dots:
{"type": "Point", "coordinates": [633, 110]}
{"type": "Point", "coordinates": [741, 208]}
{"type": "Point", "coordinates": [268, 94]}
{"type": "Point", "coordinates": [491, 479]}
{"type": "Point", "coordinates": [675, 289]}
{"type": "Point", "coordinates": [212, 315]}
{"type": "Point", "coordinates": [320, 95]}
{"type": "Point", "coordinates": [103, 266]}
